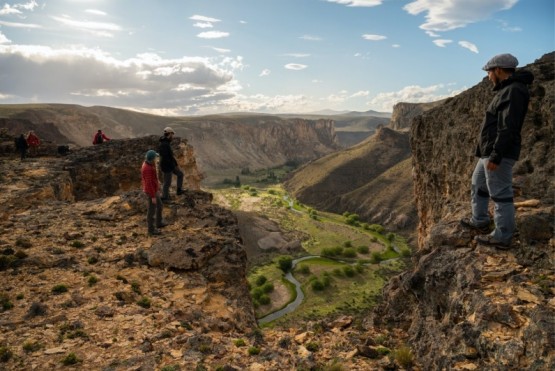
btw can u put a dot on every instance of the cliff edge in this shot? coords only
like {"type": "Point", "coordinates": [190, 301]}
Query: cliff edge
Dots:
{"type": "Point", "coordinates": [467, 306]}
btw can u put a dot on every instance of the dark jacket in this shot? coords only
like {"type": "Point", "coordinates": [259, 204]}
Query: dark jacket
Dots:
{"type": "Point", "coordinates": [500, 133]}
{"type": "Point", "coordinates": [167, 162]}
{"type": "Point", "coordinates": [21, 143]}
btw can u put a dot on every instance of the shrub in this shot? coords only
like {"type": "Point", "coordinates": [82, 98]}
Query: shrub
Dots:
{"type": "Point", "coordinates": [59, 289]}
{"type": "Point", "coordinates": [404, 356]}
{"type": "Point", "coordinates": [304, 269]}
{"type": "Point", "coordinates": [260, 280]}
{"type": "Point", "coordinates": [78, 245]}
{"type": "Point", "coordinates": [375, 257]}
{"type": "Point", "coordinates": [264, 299]}
{"type": "Point", "coordinates": [19, 297]}
{"type": "Point", "coordinates": [71, 359]}
{"type": "Point", "coordinates": [31, 346]}
{"type": "Point", "coordinates": [337, 272]}
{"type": "Point", "coordinates": [254, 351]}
{"type": "Point", "coordinates": [363, 249]}
{"type": "Point", "coordinates": [239, 343]}
{"type": "Point", "coordinates": [23, 242]}
{"type": "Point", "coordinates": [257, 293]}
{"type": "Point", "coordinates": [5, 302]}
{"type": "Point", "coordinates": [359, 267]}
{"type": "Point", "coordinates": [136, 287]}
{"type": "Point", "coordinates": [268, 287]}
{"type": "Point", "coordinates": [20, 254]}
{"type": "Point", "coordinates": [144, 302]}
{"type": "Point", "coordinates": [92, 260]}
{"type": "Point", "coordinates": [348, 244]}
{"type": "Point", "coordinates": [285, 263]}
{"type": "Point", "coordinates": [405, 253]}
{"type": "Point", "coordinates": [317, 285]}
{"type": "Point", "coordinates": [390, 236]}
{"type": "Point", "coordinates": [326, 280]}
{"type": "Point", "coordinates": [92, 280]}
{"type": "Point", "coordinates": [5, 354]}
{"type": "Point", "coordinates": [349, 252]}
{"type": "Point", "coordinates": [312, 347]}
{"type": "Point", "coordinates": [349, 271]}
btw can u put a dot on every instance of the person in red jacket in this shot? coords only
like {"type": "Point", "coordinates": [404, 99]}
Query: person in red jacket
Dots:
{"type": "Point", "coordinates": [151, 188]}
{"type": "Point", "coordinates": [100, 137]}
{"type": "Point", "coordinates": [33, 141]}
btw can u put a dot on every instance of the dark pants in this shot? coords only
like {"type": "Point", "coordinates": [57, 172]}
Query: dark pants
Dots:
{"type": "Point", "coordinates": [23, 152]}
{"type": "Point", "coordinates": [150, 213]}
{"type": "Point", "coordinates": [168, 181]}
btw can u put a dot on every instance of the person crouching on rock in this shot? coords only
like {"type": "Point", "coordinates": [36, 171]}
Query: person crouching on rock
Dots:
{"type": "Point", "coordinates": [100, 138]}
{"type": "Point", "coordinates": [151, 189]}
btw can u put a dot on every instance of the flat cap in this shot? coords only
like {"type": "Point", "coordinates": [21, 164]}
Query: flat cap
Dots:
{"type": "Point", "coordinates": [501, 61]}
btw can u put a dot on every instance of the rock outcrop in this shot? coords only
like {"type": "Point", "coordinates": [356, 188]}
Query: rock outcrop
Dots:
{"type": "Point", "coordinates": [467, 306]}
{"type": "Point", "coordinates": [404, 113]}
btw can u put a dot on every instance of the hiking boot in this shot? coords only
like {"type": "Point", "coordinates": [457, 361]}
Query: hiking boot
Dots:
{"type": "Point", "coordinates": [467, 223]}
{"type": "Point", "coordinates": [154, 232]}
{"type": "Point", "coordinates": [162, 225]}
{"type": "Point", "coordinates": [179, 192]}
{"type": "Point", "coordinates": [486, 239]}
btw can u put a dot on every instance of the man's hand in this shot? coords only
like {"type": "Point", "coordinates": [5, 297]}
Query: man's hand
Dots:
{"type": "Point", "coordinates": [491, 166]}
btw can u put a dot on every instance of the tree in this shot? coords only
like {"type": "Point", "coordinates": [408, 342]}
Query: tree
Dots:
{"type": "Point", "coordinates": [285, 263]}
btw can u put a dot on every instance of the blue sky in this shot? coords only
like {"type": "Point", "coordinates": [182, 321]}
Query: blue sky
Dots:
{"type": "Point", "coordinates": [186, 57]}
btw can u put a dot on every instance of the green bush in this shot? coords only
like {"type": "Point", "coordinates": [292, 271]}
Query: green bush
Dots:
{"type": "Point", "coordinates": [264, 299]}
{"type": "Point", "coordinates": [268, 287]}
{"type": "Point", "coordinates": [285, 263]}
{"type": "Point", "coordinates": [338, 272]}
{"type": "Point", "coordinates": [254, 351]}
{"type": "Point", "coordinates": [31, 346]}
{"type": "Point", "coordinates": [363, 249]}
{"type": "Point", "coordinates": [404, 356]}
{"type": "Point", "coordinates": [239, 343]}
{"type": "Point", "coordinates": [71, 359]}
{"type": "Point", "coordinates": [144, 302]}
{"type": "Point", "coordinates": [376, 228]}
{"type": "Point", "coordinates": [92, 260]}
{"type": "Point", "coordinates": [5, 302]}
{"type": "Point", "coordinates": [317, 285]}
{"type": "Point", "coordinates": [59, 289]}
{"type": "Point", "coordinates": [349, 271]}
{"type": "Point", "coordinates": [257, 292]}
{"type": "Point", "coordinates": [375, 257]}
{"type": "Point", "coordinates": [390, 236]}
{"type": "Point", "coordinates": [304, 269]}
{"type": "Point", "coordinates": [312, 347]}
{"type": "Point", "coordinates": [77, 244]}
{"type": "Point", "coordinates": [136, 287]}
{"type": "Point", "coordinates": [92, 280]}
{"type": "Point", "coordinates": [5, 354]}
{"type": "Point", "coordinates": [260, 280]}
{"type": "Point", "coordinates": [349, 252]}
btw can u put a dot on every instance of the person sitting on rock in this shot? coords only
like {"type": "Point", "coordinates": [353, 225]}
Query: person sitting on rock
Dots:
{"type": "Point", "coordinates": [21, 145]}
{"type": "Point", "coordinates": [169, 165]}
{"type": "Point", "coordinates": [33, 141]}
{"type": "Point", "coordinates": [151, 189]}
{"type": "Point", "coordinates": [99, 138]}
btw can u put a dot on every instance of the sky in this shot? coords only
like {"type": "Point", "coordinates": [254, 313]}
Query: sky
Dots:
{"type": "Point", "coordinates": [196, 57]}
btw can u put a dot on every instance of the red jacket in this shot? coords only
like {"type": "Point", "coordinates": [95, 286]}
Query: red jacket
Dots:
{"type": "Point", "coordinates": [33, 140]}
{"type": "Point", "coordinates": [104, 137]}
{"type": "Point", "coordinates": [150, 179]}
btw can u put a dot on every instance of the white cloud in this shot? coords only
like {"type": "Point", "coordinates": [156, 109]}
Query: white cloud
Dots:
{"type": "Point", "coordinates": [91, 77]}
{"type": "Point", "coordinates": [213, 35]}
{"type": "Point", "coordinates": [311, 38]}
{"type": "Point", "coordinates": [442, 42]}
{"type": "Point", "coordinates": [30, 5]}
{"type": "Point", "coordinates": [470, 46]}
{"type": "Point", "coordinates": [19, 25]}
{"type": "Point", "coordinates": [507, 28]}
{"type": "Point", "coordinates": [446, 15]}
{"type": "Point", "coordinates": [366, 3]}
{"type": "Point", "coordinates": [361, 93]}
{"type": "Point", "coordinates": [295, 66]}
{"type": "Point", "coordinates": [97, 28]}
{"type": "Point", "coordinates": [373, 37]}
{"type": "Point", "coordinates": [203, 25]}
{"type": "Point", "coordinates": [265, 72]}
{"type": "Point", "coordinates": [432, 34]}
{"type": "Point", "coordinates": [4, 39]}
{"type": "Point", "coordinates": [219, 50]}
{"type": "Point", "coordinates": [8, 9]}
{"type": "Point", "coordinates": [412, 94]}
{"type": "Point", "coordinates": [395, 46]}
{"type": "Point", "coordinates": [297, 55]}
{"type": "Point", "coordinates": [96, 12]}
{"type": "Point", "coordinates": [202, 18]}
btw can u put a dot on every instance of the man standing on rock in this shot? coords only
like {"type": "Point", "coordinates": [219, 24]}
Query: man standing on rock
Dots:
{"type": "Point", "coordinates": [150, 188]}
{"type": "Point", "coordinates": [169, 165]}
{"type": "Point", "coordinates": [498, 149]}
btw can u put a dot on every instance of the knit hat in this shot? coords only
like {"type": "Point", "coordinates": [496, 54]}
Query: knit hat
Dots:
{"type": "Point", "coordinates": [168, 130]}
{"type": "Point", "coordinates": [151, 155]}
{"type": "Point", "coordinates": [501, 61]}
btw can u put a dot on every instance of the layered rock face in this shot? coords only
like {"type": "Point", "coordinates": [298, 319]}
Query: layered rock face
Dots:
{"type": "Point", "coordinates": [403, 113]}
{"type": "Point", "coordinates": [468, 306]}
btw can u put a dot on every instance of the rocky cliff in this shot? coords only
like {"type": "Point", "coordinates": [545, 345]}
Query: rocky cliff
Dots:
{"type": "Point", "coordinates": [467, 306]}
{"type": "Point", "coordinates": [404, 113]}
{"type": "Point", "coordinates": [361, 180]}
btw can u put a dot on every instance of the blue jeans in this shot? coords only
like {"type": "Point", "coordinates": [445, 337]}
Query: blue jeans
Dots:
{"type": "Point", "coordinates": [498, 185]}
